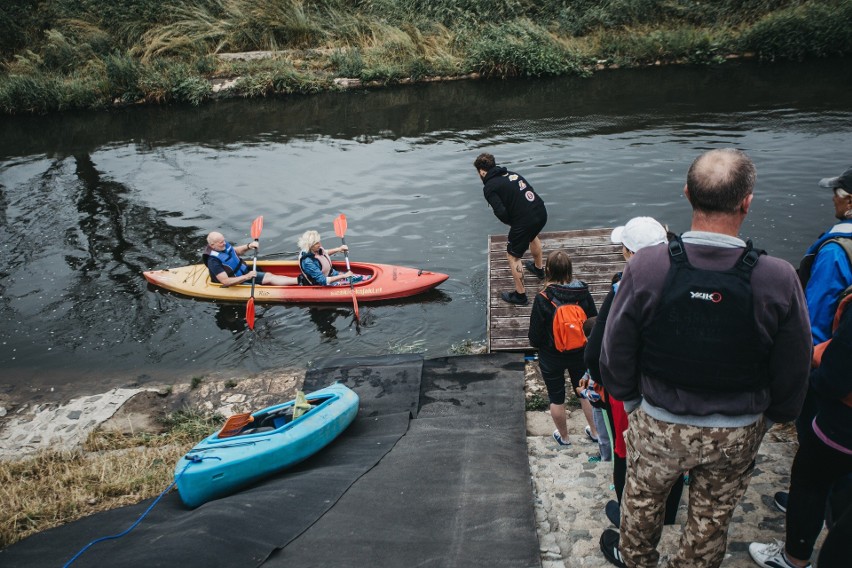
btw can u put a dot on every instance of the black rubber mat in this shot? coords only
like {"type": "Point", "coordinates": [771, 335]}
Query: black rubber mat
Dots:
{"type": "Point", "coordinates": [455, 490]}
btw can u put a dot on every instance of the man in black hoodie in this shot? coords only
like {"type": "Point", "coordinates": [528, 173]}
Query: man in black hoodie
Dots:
{"type": "Point", "coordinates": [516, 204]}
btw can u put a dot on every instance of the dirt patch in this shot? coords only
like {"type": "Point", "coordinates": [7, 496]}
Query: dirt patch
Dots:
{"type": "Point", "coordinates": [213, 394]}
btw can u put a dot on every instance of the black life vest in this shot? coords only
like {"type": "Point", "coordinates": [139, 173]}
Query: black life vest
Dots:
{"type": "Point", "coordinates": [703, 336]}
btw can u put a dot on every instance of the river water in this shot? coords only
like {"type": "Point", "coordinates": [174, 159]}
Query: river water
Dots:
{"type": "Point", "coordinates": [88, 201]}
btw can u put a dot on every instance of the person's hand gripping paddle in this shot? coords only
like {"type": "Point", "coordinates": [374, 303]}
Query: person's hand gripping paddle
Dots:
{"type": "Point", "coordinates": [340, 231]}
{"type": "Point", "coordinates": [256, 228]}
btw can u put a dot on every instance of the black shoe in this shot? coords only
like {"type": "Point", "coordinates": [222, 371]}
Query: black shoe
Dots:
{"type": "Point", "coordinates": [613, 513]}
{"type": "Point", "coordinates": [781, 500]}
{"type": "Point", "coordinates": [514, 298]}
{"type": "Point", "coordinates": [609, 547]}
{"type": "Point", "coordinates": [531, 267]}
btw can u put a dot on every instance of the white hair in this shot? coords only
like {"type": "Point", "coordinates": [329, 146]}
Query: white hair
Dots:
{"type": "Point", "coordinates": [308, 239]}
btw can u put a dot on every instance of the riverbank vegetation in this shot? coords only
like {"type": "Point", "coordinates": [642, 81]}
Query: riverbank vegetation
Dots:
{"type": "Point", "coordinates": [111, 470]}
{"type": "Point", "coordinates": [88, 54]}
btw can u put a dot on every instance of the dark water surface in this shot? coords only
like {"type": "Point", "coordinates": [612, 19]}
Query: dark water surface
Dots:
{"type": "Point", "coordinates": [89, 201]}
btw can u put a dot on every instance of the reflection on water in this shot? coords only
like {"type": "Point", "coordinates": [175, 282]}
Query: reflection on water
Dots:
{"type": "Point", "coordinates": [231, 317]}
{"type": "Point", "coordinates": [90, 200]}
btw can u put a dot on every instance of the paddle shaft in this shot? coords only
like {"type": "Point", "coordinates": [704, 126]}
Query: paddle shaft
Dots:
{"type": "Point", "coordinates": [340, 230]}
{"type": "Point", "coordinates": [254, 268]}
{"type": "Point", "coordinates": [351, 284]}
{"type": "Point", "coordinates": [256, 228]}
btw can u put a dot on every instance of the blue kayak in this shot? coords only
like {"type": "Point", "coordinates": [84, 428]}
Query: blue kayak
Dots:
{"type": "Point", "coordinates": [271, 441]}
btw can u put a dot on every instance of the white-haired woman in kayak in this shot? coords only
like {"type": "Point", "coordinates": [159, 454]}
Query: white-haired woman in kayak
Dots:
{"type": "Point", "coordinates": [315, 263]}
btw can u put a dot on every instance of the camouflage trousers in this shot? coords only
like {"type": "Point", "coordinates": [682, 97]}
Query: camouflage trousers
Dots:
{"type": "Point", "coordinates": [720, 462]}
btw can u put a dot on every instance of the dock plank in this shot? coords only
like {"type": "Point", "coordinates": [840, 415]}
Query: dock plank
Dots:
{"type": "Point", "coordinates": [595, 259]}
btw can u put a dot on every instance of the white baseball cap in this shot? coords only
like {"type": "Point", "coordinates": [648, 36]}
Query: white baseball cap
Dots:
{"type": "Point", "coordinates": [638, 233]}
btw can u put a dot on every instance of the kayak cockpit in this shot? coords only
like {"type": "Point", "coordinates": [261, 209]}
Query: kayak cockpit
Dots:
{"type": "Point", "coordinates": [272, 419]}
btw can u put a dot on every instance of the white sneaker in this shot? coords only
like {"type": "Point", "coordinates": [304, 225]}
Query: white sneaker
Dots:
{"type": "Point", "coordinates": [770, 555]}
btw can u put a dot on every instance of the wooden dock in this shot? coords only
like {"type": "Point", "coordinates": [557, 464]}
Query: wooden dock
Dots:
{"type": "Point", "coordinates": [595, 259]}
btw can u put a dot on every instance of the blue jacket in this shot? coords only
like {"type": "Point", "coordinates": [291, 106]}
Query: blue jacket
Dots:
{"type": "Point", "coordinates": [313, 269]}
{"type": "Point", "coordinates": [831, 274]}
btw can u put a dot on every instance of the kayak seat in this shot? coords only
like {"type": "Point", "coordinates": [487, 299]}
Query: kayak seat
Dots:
{"type": "Point", "coordinates": [257, 430]}
{"type": "Point", "coordinates": [279, 418]}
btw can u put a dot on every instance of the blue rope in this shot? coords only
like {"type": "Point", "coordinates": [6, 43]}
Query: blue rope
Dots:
{"type": "Point", "coordinates": [192, 460]}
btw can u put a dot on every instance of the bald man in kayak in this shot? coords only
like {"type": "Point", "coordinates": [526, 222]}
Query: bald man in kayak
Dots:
{"type": "Point", "coordinates": [227, 268]}
{"type": "Point", "coordinates": [515, 203]}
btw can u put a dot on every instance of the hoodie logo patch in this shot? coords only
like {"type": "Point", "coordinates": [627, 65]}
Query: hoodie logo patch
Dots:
{"type": "Point", "coordinates": [530, 196]}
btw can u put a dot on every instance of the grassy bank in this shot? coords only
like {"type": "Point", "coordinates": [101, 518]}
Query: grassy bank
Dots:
{"type": "Point", "coordinates": [111, 470]}
{"type": "Point", "coordinates": [87, 54]}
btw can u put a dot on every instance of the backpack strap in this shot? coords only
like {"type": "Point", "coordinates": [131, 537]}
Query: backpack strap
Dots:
{"type": "Point", "coordinates": [748, 260]}
{"type": "Point", "coordinates": [807, 262]}
{"type": "Point", "coordinates": [845, 243]}
{"type": "Point", "coordinates": [677, 250]}
{"type": "Point", "coordinates": [545, 296]}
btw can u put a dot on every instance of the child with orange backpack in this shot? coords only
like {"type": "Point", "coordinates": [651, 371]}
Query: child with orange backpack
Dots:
{"type": "Point", "coordinates": [556, 330]}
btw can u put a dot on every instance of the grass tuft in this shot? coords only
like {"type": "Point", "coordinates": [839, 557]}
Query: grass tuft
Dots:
{"type": "Point", "coordinates": [111, 470]}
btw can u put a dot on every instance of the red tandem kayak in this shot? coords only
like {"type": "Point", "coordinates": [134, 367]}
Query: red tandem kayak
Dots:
{"type": "Point", "coordinates": [386, 282]}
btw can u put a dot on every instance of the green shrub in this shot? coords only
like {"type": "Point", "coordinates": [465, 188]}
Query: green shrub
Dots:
{"type": "Point", "coordinates": [191, 89]}
{"type": "Point", "coordinates": [347, 62]}
{"type": "Point", "coordinates": [450, 12]}
{"type": "Point", "coordinates": [20, 22]}
{"type": "Point", "coordinates": [281, 79]}
{"type": "Point", "coordinates": [83, 91]}
{"type": "Point", "coordinates": [60, 54]}
{"type": "Point", "coordinates": [387, 73]}
{"type": "Point", "coordinates": [122, 74]}
{"type": "Point", "coordinates": [30, 94]}
{"type": "Point", "coordinates": [693, 45]}
{"type": "Point", "coordinates": [582, 16]}
{"type": "Point", "coordinates": [167, 81]}
{"type": "Point", "coordinates": [40, 93]}
{"type": "Point", "coordinates": [814, 30]}
{"type": "Point", "coordinates": [518, 49]}
{"type": "Point", "coordinates": [536, 402]}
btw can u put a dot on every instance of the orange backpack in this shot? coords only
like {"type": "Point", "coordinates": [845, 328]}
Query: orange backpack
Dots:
{"type": "Point", "coordinates": [568, 320]}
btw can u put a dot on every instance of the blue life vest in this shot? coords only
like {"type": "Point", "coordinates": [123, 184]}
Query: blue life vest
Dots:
{"type": "Point", "coordinates": [233, 264]}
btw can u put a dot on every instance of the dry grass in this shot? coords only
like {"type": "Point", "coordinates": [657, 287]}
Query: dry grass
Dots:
{"type": "Point", "coordinates": [112, 470]}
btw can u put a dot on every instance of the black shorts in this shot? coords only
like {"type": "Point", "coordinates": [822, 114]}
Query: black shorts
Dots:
{"type": "Point", "coordinates": [553, 367]}
{"type": "Point", "coordinates": [521, 235]}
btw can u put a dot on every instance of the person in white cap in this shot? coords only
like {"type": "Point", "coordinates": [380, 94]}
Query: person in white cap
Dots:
{"type": "Point", "coordinates": [636, 234]}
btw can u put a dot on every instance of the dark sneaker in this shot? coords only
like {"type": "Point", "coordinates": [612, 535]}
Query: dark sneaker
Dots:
{"type": "Point", "coordinates": [559, 439]}
{"type": "Point", "coordinates": [514, 298]}
{"type": "Point", "coordinates": [535, 271]}
{"type": "Point", "coordinates": [609, 547]}
{"type": "Point", "coordinates": [770, 555]}
{"type": "Point", "coordinates": [781, 500]}
{"type": "Point", "coordinates": [613, 513]}
{"type": "Point", "coordinates": [588, 431]}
